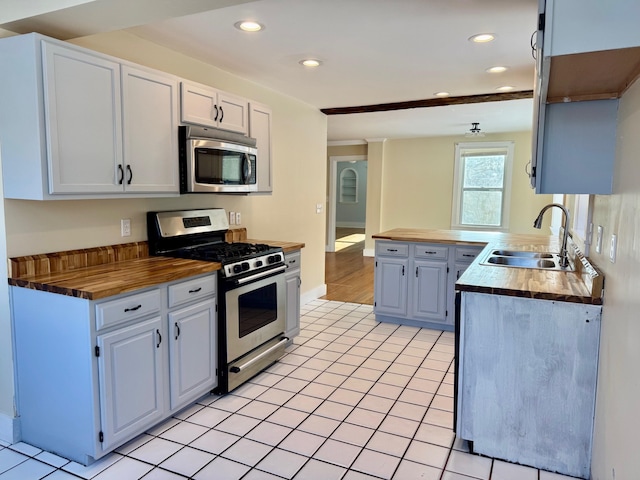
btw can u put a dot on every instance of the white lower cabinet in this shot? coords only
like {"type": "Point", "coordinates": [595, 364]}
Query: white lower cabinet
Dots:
{"type": "Point", "coordinates": [293, 281]}
{"type": "Point", "coordinates": [92, 375]}
{"type": "Point", "coordinates": [131, 375]}
{"type": "Point", "coordinates": [192, 352]}
{"type": "Point", "coordinates": [414, 284]}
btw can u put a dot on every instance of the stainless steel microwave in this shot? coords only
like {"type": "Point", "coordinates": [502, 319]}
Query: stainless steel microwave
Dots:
{"type": "Point", "coordinates": [215, 161]}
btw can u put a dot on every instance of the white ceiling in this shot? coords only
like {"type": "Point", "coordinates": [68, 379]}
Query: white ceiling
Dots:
{"type": "Point", "coordinates": [373, 52]}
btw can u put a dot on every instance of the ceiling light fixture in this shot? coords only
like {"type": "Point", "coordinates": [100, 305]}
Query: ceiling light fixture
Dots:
{"type": "Point", "coordinates": [441, 94]}
{"type": "Point", "coordinates": [505, 88]}
{"type": "Point", "coordinates": [497, 69]}
{"type": "Point", "coordinates": [249, 26]}
{"type": "Point", "coordinates": [474, 131]}
{"type": "Point", "coordinates": [482, 38]}
{"type": "Point", "coordinates": [310, 62]}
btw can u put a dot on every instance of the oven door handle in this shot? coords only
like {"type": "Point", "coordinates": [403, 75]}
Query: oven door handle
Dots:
{"type": "Point", "coordinates": [254, 360]}
{"type": "Point", "coordinates": [260, 275]}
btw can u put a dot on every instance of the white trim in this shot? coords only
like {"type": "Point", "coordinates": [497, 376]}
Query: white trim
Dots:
{"type": "Point", "coordinates": [313, 294]}
{"type": "Point", "coordinates": [457, 185]}
{"type": "Point", "coordinates": [331, 209]}
{"type": "Point", "coordinates": [369, 252]}
{"type": "Point", "coordinates": [342, 143]}
{"type": "Point", "coordinates": [375, 140]}
{"type": "Point", "coordinates": [9, 429]}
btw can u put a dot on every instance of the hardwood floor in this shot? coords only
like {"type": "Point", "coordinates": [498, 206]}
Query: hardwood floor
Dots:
{"type": "Point", "coordinates": [349, 275]}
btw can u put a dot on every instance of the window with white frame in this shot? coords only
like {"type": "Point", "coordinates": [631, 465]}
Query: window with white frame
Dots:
{"type": "Point", "coordinates": [482, 185]}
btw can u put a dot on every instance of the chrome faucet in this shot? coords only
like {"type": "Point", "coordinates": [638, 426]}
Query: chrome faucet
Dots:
{"type": "Point", "coordinates": [564, 258]}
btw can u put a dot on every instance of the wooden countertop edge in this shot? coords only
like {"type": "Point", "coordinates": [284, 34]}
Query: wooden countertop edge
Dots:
{"type": "Point", "coordinates": [100, 281]}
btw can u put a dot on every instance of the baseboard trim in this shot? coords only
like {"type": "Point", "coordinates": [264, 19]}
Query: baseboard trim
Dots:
{"type": "Point", "coordinates": [9, 429]}
{"type": "Point", "coordinates": [313, 294]}
{"type": "Point", "coordinates": [369, 252]}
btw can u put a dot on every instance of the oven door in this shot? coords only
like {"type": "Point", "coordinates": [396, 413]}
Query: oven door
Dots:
{"type": "Point", "coordinates": [255, 314]}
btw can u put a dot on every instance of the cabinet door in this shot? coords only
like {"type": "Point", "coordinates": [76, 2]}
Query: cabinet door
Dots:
{"type": "Point", "coordinates": [192, 352]}
{"type": "Point", "coordinates": [233, 113]}
{"type": "Point", "coordinates": [391, 286]}
{"type": "Point", "coordinates": [429, 290]}
{"type": "Point", "coordinates": [292, 279]}
{"type": "Point", "coordinates": [82, 120]}
{"type": "Point", "coordinates": [131, 373]}
{"type": "Point", "coordinates": [150, 113]}
{"type": "Point", "coordinates": [198, 105]}
{"type": "Point", "coordinates": [260, 129]}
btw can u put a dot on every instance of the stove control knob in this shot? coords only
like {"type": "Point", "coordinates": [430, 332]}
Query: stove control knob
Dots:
{"type": "Point", "coordinates": [245, 266]}
{"type": "Point", "coordinates": [237, 268]}
{"type": "Point", "coordinates": [272, 259]}
{"type": "Point", "coordinates": [258, 263]}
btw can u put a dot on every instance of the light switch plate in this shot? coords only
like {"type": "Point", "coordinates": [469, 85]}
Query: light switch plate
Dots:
{"type": "Point", "coordinates": [614, 246]}
{"type": "Point", "coordinates": [232, 218]}
{"type": "Point", "coordinates": [599, 239]}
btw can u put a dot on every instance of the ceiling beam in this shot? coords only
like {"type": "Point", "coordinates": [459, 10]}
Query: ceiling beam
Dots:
{"type": "Point", "coordinates": [430, 102]}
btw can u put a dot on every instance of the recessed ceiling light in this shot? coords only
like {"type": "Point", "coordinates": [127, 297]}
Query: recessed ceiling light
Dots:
{"type": "Point", "coordinates": [505, 88]}
{"type": "Point", "coordinates": [482, 38]}
{"type": "Point", "coordinates": [310, 62]}
{"type": "Point", "coordinates": [497, 69]}
{"type": "Point", "coordinates": [442, 94]}
{"type": "Point", "coordinates": [249, 26]}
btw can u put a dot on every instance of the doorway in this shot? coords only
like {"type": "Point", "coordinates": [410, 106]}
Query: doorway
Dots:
{"type": "Point", "coordinates": [347, 202]}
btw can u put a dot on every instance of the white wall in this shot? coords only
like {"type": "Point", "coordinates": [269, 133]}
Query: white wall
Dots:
{"type": "Point", "coordinates": [618, 400]}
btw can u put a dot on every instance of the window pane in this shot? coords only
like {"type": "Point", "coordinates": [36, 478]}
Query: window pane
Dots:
{"type": "Point", "coordinates": [484, 172]}
{"type": "Point", "coordinates": [481, 208]}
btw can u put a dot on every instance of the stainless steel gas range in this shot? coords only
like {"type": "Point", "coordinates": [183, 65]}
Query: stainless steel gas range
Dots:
{"type": "Point", "coordinates": [251, 285]}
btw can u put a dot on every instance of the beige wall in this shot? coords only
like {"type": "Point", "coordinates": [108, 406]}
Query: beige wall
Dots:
{"type": "Point", "coordinates": [412, 184]}
{"type": "Point", "coordinates": [418, 183]}
{"type": "Point", "coordinates": [299, 134]}
{"type": "Point", "coordinates": [617, 417]}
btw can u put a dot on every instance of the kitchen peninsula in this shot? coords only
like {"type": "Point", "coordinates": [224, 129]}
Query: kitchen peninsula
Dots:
{"type": "Point", "coordinates": [527, 340]}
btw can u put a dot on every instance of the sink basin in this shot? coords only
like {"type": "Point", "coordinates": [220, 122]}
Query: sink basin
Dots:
{"type": "Point", "coordinates": [522, 262]}
{"type": "Point", "coordinates": [520, 253]}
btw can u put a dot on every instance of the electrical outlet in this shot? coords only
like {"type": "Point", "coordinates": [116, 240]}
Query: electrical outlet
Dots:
{"type": "Point", "coordinates": [612, 249]}
{"type": "Point", "coordinates": [599, 237]}
{"type": "Point", "coordinates": [238, 218]}
{"type": "Point", "coordinates": [318, 208]}
{"type": "Point", "coordinates": [232, 218]}
{"type": "Point", "coordinates": [125, 227]}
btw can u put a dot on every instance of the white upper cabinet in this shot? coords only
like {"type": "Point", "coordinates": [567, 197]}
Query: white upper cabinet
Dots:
{"type": "Point", "coordinates": [82, 119]}
{"type": "Point", "coordinates": [260, 129]}
{"type": "Point", "coordinates": [150, 121]}
{"type": "Point", "coordinates": [79, 124]}
{"type": "Point", "coordinates": [206, 106]}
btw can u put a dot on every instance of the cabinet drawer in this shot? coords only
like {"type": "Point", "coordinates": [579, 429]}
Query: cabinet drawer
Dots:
{"type": "Point", "coordinates": [292, 260]}
{"type": "Point", "coordinates": [431, 251]}
{"type": "Point", "coordinates": [127, 308]}
{"type": "Point", "coordinates": [467, 254]}
{"type": "Point", "coordinates": [392, 249]}
{"type": "Point", "coordinates": [190, 290]}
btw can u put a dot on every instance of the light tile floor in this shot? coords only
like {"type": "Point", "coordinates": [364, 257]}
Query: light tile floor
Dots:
{"type": "Point", "coordinates": [353, 399]}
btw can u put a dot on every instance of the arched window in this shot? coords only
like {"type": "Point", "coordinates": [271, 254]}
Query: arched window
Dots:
{"type": "Point", "coordinates": [348, 186]}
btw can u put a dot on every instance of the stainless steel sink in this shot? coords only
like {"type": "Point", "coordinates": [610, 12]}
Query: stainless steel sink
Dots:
{"type": "Point", "coordinates": [520, 253]}
{"type": "Point", "coordinates": [524, 259]}
{"type": "Point", "coordinates": [522, 262]}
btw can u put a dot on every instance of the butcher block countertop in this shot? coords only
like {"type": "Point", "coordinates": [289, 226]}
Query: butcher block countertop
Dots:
{"type": "Point", "coordinates": [584, 285]}
{"type": "Point", "coordinates": [101, 272]}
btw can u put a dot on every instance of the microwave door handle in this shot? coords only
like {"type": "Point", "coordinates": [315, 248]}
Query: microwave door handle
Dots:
{"type": "Point", "coordinates": [246, 168]}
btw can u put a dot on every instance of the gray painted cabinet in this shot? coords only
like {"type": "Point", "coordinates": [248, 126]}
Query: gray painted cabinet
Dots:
{"type": "Point", "coordinates": [527, 380]}
{"type": "Point", "coordinates": [293, 281]}
{"type": "Point", "coordinates": [414, 282]}
{"type": "Point", "coordinates": [92, 375]}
